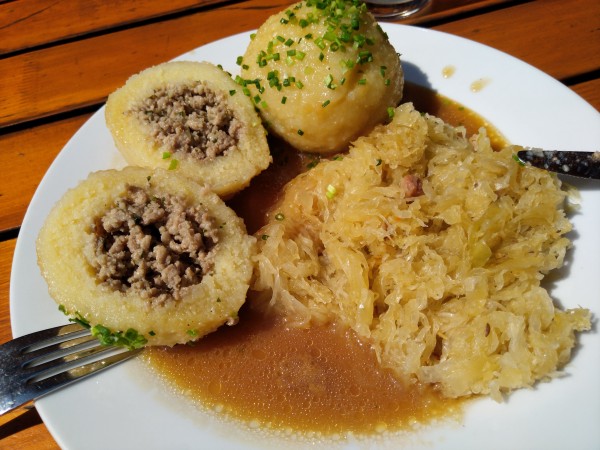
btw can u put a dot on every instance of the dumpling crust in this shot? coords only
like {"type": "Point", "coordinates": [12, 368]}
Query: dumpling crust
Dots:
{"type": "Point", "coordinates": [165, 294]}
{"type": "Point", "coordinates": [191, 117]}
{"type": "Point", "coordinates": [326, 73]}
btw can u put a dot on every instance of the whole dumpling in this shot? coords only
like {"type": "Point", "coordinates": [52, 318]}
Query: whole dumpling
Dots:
{"type": "Point", "coordinates": [148, 252]}
{"type": "Point", "coordinates": [322, 74]}
{"type": "Point", "coordinates": [193, 118]}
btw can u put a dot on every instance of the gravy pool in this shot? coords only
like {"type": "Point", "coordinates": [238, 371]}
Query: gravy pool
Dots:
{"type": "Point", "coordinates": [321, 379]}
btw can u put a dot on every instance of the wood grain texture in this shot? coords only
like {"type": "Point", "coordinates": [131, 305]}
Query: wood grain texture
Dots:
{"type": "Point", "coordinates": [7, 249]}
{"type": "Point", "coordinates": [84, 72]}
{"type": "Point", "coordinates": [440, 10]}
{"type": "Point", "coordinates": [561, 38]}
{"type": "Point", "coordinates": [25, 25]}
{"type": "Point", "coordinates": [589, 91]}
{"type": "Point", "coordinates": [25, 431]}
{"type": "Point", "coordinates": [26, 156]}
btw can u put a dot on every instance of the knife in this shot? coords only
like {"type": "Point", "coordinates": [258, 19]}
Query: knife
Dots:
{"type": "Point", "coordinates": [579, 164]}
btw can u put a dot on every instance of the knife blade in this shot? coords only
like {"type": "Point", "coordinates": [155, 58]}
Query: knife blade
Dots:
{"type": "Point", "coordinates": [579, 164]}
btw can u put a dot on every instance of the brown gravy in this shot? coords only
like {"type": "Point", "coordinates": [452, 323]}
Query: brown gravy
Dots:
{"type": "Point", "coordinates": [321, 379]}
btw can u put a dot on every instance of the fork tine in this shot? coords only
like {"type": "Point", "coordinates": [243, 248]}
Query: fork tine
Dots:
{"type": "Point", "coordinates": [75, 373]}
{"type": "Point", "coordinates": [57, 350]}
{"type": "Point", "coordinates": [64, 359]}
{"type": "Point", "coordinates": [36, 364]}
{"type": "Point", "coordinates": [44, 338]}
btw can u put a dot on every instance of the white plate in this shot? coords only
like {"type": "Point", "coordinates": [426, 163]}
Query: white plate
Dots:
{"type": "Point", "coordinates": [126, 407]}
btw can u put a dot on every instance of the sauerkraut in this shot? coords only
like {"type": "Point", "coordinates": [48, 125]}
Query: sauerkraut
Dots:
{"type": "Point", "coordinates": [432, 247]}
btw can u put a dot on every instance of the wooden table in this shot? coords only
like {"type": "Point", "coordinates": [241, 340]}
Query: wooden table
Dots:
{"type": "Point", "coordinates": [60, 60]}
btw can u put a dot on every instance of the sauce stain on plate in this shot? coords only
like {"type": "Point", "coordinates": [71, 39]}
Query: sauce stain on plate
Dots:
{"type": "Point", "coordinates": [448, 71]}
{"type": "Point", "coordinates": [479, 84]}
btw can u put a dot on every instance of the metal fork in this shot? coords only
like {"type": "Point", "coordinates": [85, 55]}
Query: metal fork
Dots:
{"type": "Point", "coordinates": [36, 364]}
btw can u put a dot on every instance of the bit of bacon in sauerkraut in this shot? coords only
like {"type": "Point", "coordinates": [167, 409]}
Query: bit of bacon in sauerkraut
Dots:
{"type": "Point", "coordinates": [432, 247]}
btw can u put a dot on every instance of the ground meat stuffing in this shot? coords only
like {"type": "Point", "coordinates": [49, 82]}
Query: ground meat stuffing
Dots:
{"type": "Point", "coordinates": [191, 119]}
{"type": "Point", "coordinates": [153, 246]}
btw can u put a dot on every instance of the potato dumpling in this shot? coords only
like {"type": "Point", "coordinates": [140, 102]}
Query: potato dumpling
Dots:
{"type": "Point", "coordinates": [322, 74]}
{"type": "Point", "coordinates": [149, 251]}
{"type": "Point", "coordinates": [192, 117]}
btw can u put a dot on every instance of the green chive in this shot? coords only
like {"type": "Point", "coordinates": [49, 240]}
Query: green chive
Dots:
{"type": "Point", "coordinates": [331, 191]}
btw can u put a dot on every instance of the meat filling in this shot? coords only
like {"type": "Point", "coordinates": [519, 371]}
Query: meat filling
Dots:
{"type": "Point", "coordinates": [191, 119]}
{"type": "Point", "coordinates": [154, 247]}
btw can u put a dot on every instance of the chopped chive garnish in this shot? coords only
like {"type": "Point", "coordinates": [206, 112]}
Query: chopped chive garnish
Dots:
{"type": "Point", "coordinates": [331, 191]}
{"type": "Point", "coordinates": [517, 159]}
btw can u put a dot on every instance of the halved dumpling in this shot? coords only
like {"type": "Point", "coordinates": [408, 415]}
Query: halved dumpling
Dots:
{"type": "Point", "coordinates": [151, 251]}
{"type": "Point", "coordinates": [193, 118]}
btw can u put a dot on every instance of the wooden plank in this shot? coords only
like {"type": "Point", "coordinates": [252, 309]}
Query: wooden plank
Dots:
{"type": "Point", "coordinates": [570, 47]}
{"type": "Point", "coordinates": [26, 156]}
{"type": "Point", "coordinates": [7, 249]}
{"type": "Point", "coordinates": [590, 91]}
{"type": "Point", "coordinates": [82, 73]}
{"type": "Point", "coordinates": [439, 10]}
{"type": "Point", "coordinates": [22, 431]}
{"type": "Point", "coordinates": [25, 24]}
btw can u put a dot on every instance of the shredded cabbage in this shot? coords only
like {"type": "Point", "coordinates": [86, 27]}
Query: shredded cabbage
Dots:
{"type": "Point", "coordinates": [431, 246]}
